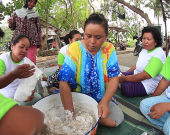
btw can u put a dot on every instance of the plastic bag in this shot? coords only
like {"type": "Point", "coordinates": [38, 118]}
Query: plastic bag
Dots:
{"type": "Point", "coordinates": [26, 85]}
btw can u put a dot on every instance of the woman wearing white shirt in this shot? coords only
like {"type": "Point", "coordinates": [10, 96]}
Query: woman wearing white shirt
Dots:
{"type": "Point", "coordinates": [143, 78]}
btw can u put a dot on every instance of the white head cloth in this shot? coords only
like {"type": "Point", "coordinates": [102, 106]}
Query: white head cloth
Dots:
{"type": "Point", "coordinates": [23, 12]}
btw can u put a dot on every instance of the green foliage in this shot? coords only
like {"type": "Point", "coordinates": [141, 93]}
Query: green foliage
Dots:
{"type": "Point", "coordinates": [58, 12]}
{"type": "Point", "coordinates": [156, 6]}
{"type": "Point", "coordinates": [132, 30]}
{"type": "Point", "coordinates": [1, 11]}
{"type": "Point", "coordinates": [66, 16]}
{"type": "Point", "coordinates": [43, 7]}
{"type": "Point", "coordinates": [7, 37]}
{"type": "Point", "coordinates": [110, 7]}
{"type": "Point", "coordinates": [131, 42]}
{"type": "Point", "coordinates": [111, 37]}
{"type": "Point", "coordinates": [169, 33]}
{"type": "Point", "coordinates": [12, 6]}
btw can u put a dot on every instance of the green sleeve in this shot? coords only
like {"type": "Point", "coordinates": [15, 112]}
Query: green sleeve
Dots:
{"type": "Point", "coordinates": [60, 59]}
{"type": "Point", "coordinates": [154, 67]}
{"type": "Point", "coordinates": [166, 69]}
{"type": "Point", "coordinates": [2, 67]}
{"type": "Point", "coordinates": [5, 105]}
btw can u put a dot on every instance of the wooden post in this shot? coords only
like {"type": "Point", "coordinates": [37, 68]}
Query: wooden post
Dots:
{"type": "Point", "coordinates": [57, 43]}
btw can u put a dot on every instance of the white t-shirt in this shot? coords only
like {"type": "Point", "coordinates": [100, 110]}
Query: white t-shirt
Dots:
{"type": "Point", "coordinates": [63, 50]}
{"type": "Point", "coordinates": [151, 62]}
{"type": "Point", "coordinates": [6, 66]}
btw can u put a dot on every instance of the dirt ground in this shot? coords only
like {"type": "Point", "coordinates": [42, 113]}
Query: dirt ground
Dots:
{"type": "Point", "coordinates": [127, 59]}
{"type": "Point", "coordinates": [44, 62]}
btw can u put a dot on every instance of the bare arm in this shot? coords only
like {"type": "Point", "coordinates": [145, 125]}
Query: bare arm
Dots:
{"type": "Point", "coordinates": [158, 110]}
{"type": "Point", "coordinates": [60, 66]}
{"type": "Point", "coordinates": [22, 120]}
{"type": "Point", "coordinates": [7, 79]}
{"type": "Point", "coordinates": [10, 22]}
{"type": "Point", "coordinates": [103, 106]}
{"type": "Point", "coordinates": [135, 78]}
{"type": "Point", "coordinates": [132, 68]}
{"type": "Point", "coordinates": [21, 71]}
{"type": "Point", "coordinates": [163, 84]}
{"type": "Point", "coordinates": [111, 89]}
{"type": "Point", "coordinates": [66, 97]}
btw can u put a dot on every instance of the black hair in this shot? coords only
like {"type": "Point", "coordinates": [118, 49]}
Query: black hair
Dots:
{"type": "Point", "coordinates": [1, 33]}
{"type": "Point", "coordinates": [97, 18]}
{"type": "Point", "coordinates": [155, 32]}
{"type": "Point", "coordinates": [26, 5]}
{"type": "Point", "coordinates": [70, 35]}
{"type": "Point", "coordinates": [18, 38]}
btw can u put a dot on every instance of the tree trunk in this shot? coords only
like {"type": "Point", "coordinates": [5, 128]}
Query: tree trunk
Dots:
{"type": "Point", "coordinates": [58, 42]}
{"type": "Point", "coordinates": [72, 15]}
{"type": "Point", "coordinates": [136, 3]}
{"type": "Point", "coordinates": [47, 27]}
{"type": "Point", "coordinates": [81, 22]}
{"type": "Point", "coordinates": [136, 10]}
{"type": "Point", "coordinates": [164, 18]}
{"type": "Point", "coordinates": [91, 6]}
{"type": "Point", "coordinates": [62, 17]}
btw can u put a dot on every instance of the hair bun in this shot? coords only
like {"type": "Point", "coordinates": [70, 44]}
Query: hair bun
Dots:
{"type": "Point", "coordinates": [97, 15]}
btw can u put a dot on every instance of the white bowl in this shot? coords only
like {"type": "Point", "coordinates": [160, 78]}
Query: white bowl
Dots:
{"type": "Point", "coordinates": [48, 103]}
